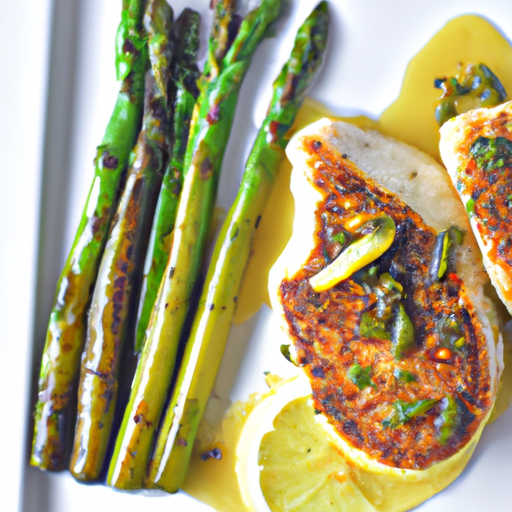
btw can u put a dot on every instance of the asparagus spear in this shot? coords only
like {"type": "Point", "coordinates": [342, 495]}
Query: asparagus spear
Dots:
{"type": "Point", "coordinates": [203, 160]}
{"type": "Point", "coordinates": [213, 318]}
{"type": "Point", "coordinates": [184, 77]}
{"type": "Point", "coordinates": [224, 22]}
{"type": "Point", "coordinates": [158, 24]}
{"type": "Point", "coordinates": [110, 319]}
{"type": "Point", "coordinates": [55, 409]}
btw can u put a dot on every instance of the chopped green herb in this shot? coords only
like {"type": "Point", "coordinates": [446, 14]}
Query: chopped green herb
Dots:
{"type": "Point", "coordinates": [439, 263]}
{"type": "Point", "coordinates": [388, 292]}
{"type": "Point", "coordinates": [377, 323]}
{"type": "Point", "coordinates": [474, 86]}
{"type": "Point", "coordinates": [460, 342]}
{"type": "Point", "coordinates": [388, 282]}
{"type": "Point", "coordinates": [491, 154]}
{"type": "Point", "coordinates": [443, 251]}
{"type": "Point", "coordinates": [404, 375]}
{"type": "Point", "coordinates": [371, 327]}
{"type": "Point", "coordinates": [449, 419]}
{"type": "Point", "coordinates": [443, 266]}
{"type": "Point", "coordinates": [450, 331]}
{"type": "Point", "coordinates": [285, 350]}
{"type": "Point", "coordinates": [456, 235]}
{"type": "Point", "coordinates": [339, 237]}
{"type": "Point", "coordinates": [372, 271]}
{"type": "Point", "coordinates": [402, 332]}
{"type": "Point", "coordinates": [404, 411]}
{"type": "Point", "coordinates": [470, 206]}
{"type": "Point", "coordinates": [361, 376]}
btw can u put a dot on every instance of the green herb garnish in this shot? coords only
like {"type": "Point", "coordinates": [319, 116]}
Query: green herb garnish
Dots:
{"type": "Point", "coordinates": [475, 86]}
{"type": "Point", "coordinates": [470, 206]}
{"type": "Point", "coordinates": [371, 327]}
{"type": "Point", "coordinates": [404, 411]}
{"type": "Point", "coordinates": [451, 332]}
{"type": "Point", "coordinates": [456, 235]}
{"type": "Point", "coordinates": [491, 154]}
{"type": "Point", "coordinates": [388, 282]}
{"type": "Point", "coordinates": [402, 332]}
{"type": "Point", "coordinates": [339, 237]}
{"type": "Point", "coordinates": [285, 350]}
{"type": "Point", "coordinates": [361, 376]}
{"type": "Point", "coordinates": [404, 376]}
{"type": "Point", "coordinates": [449, 418]}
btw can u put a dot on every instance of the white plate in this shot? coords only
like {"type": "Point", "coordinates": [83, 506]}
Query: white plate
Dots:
{"type": "Point", "coordinates": [370, 45]}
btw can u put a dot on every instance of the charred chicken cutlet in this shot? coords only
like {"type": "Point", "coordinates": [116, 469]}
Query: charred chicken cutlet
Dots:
{"type": "Point", "coordinates": [399, 353]}
{"type": "Point", "coordinates": [476, 148]}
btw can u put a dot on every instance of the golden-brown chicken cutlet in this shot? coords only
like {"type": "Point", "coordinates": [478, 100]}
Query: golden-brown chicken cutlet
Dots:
{"type": "Point", "coordinates": [476, 148]}
{"type": "Point", "coordinates": [396, 353]}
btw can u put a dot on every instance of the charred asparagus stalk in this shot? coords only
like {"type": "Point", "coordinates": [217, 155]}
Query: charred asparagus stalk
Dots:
{"type": "Point", "coordinates": [205, 151]}
{"type": "Point", "coordinates": [184, 77]}
{"type": "Point", "coordinates": [225, 21]}
{"type": "Point", "coordinates": [55, 410]}
{"type": "Point", "coordinates": [111, 315]}
{"type": "Point", "coordinates": [213, 319]}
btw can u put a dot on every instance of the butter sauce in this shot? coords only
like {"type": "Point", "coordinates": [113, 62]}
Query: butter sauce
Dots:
{"type": "Point", "coordinates": [212, 479]}
{"type": "Point", "coordinates": [409, 118]}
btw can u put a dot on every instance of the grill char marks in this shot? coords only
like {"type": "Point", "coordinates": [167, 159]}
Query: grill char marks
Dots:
{"type": "Point", "coordinates": [476, 148]}
{"type": "Point", "coordinates": [487, 177]}
{"type": "Point", "coordinates": [356, 379]}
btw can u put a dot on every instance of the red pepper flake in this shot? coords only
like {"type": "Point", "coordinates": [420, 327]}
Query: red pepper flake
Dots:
{"type": "Point", "coordinates": [272, 132]}
{"type": "Point", "coordinates": [452, 276]}
{"type": "Point", "coordinates": [441, 355]}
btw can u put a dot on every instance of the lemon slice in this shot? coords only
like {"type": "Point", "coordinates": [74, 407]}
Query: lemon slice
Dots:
{"type": "Point", "coordinates": [301, 470]}
{"type": "Point", "coordinates": [258, 423]}
{"type": "Point", "coordinates": [285, 461]}
{"type": "Point", "coordinates": [289, 460]}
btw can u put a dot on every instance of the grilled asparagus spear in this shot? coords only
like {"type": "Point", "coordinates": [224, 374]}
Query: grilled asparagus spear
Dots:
{"type": "Point", "coordinates": [213, 318]}
{"type": "Point", "coordinates": [111, 314]}
{"type": "Point", "coordinates": [205, 151]}
{"type": "Point", "coordinates": [55, 410]}
{"type": "Point", "coordinates": [184, 77]}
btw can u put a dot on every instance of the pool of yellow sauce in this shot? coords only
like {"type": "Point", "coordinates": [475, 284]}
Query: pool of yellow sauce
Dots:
{"type": "Point", "coordinates": [410, 118]}
{"type": "Point", "coordinates": [213, 481]}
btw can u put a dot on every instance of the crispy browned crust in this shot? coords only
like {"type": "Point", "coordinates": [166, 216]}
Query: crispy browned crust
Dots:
{"type": "Point", "coordinates": [325, 329]}
{"type": "Point", "coordinates": [484, 180]}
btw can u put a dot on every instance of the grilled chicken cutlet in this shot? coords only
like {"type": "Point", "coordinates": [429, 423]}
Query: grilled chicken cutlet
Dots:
{"type": "Point", "coordinates": [476, 148]}
{"type": "Point", "coordinates": [381, 292]}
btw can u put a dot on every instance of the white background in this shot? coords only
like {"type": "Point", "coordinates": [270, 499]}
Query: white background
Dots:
{"type": "Point", "coordinates": [57, 91]}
